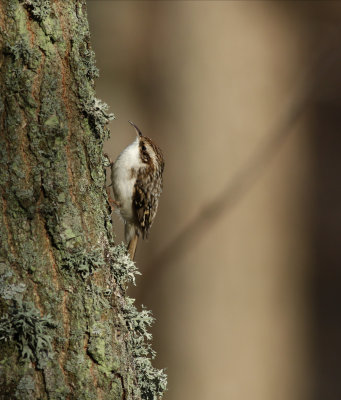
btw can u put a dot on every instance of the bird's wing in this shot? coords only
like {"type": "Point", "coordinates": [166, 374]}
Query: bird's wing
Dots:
{"type": "Point", "coordinates": [142, 207]}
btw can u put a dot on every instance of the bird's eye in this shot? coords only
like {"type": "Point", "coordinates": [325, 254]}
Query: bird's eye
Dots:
{"type": "Point", "coordinates": [144, 148]}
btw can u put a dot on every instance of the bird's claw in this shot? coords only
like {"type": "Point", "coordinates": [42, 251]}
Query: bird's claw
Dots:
{"type": "Point", "coordinates": [106, 155]}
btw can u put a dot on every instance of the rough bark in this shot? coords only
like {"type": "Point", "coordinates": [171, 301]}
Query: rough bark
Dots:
{"type": "Point", "coordinates": [67, 329]}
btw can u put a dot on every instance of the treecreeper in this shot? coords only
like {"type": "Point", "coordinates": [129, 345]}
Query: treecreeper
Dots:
{"type": "Point", "coordinates": [136, 178]}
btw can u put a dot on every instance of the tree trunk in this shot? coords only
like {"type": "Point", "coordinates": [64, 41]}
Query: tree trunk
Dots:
{"type": "Point", "coordinates": [67, 330]}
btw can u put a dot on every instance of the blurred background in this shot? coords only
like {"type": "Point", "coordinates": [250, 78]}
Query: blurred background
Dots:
{"type": "Point", "coordinates": [242, 268]}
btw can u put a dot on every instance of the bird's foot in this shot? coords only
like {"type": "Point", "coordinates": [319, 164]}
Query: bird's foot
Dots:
{"type": "Point", "coordinates": [110, 161]}
{"type": "Point", "coordinates": [113, 203]}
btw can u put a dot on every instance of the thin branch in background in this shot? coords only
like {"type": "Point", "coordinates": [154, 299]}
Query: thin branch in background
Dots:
{"type": "Point", "coordinates": [304, 94]}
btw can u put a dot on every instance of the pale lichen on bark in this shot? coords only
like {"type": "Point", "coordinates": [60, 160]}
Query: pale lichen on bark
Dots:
{"type": "Point", "coordinates": [67, 330]}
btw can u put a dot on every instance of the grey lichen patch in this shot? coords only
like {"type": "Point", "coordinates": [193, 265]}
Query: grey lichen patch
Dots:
{"type": "Point", "coordinates": [134, 325]}
{"type": "Point", "coordinates": [115, 389]}
{"type": "Point", "coordinates": [26, 388]}
{"type": "Point", "coordinates": [64, 226]}
{"type": "Point", "coordinates": [10, 8]}
{"type": "Point", "coordinates": [78, 366]}
{"type": "Point", "coordinates": [52, 29]}
{"type": "Point", "coordinates": [90, 62]}
{"type": "Point", "coordinates": [138, 321]}
{"type": "Point", "coordinates": [152, 381]}
{"type": "Point", "coordinates": [55, 382]}
{"type": "Point", "coordinates": [52, 109]}
{"type": "Point", "coordinates": [84, 70]}
{"type": "Point", "coordinates": [95, 155]}
{"type": "Point", "coordinates": [96, 347]}
{"type": "Point", "coordinates": [99, 296]}
{"type": "Point", "coordinates": [20, 50]}
{"type": "Point", "coordinates": [82, 262]}
{"type": "Point", "coordinates": [20, 87]}
{"type": "Point", "coordinates": [30, 332]}
{"type": "Point", "coordinates": [9, 289]}
{"type": "Point", "coordinates": [39, 9]}
{"type": "Point", "coordinates": [100, 350]}
{"type": "Point", "coordinates": [123, 267]}
{"type": "Point", "coordinates": [98, 117]}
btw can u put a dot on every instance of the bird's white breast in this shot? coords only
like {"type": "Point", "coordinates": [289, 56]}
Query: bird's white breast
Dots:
{"type": "Point", "coordinates": [124, 177]}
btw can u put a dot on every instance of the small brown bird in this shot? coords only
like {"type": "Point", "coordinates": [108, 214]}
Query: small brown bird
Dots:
{"type": "Point", "coordinates": [136, 177]}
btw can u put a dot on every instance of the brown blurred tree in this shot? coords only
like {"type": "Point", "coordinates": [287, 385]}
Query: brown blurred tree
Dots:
{"type": "Point", "coordinates": [67, 328]}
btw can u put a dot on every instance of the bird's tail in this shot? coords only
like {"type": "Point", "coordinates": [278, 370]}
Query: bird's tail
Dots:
{"type": "Point", "coordinates": [132, 246]}
{"type": "Point", "coordinates": [131, 239]}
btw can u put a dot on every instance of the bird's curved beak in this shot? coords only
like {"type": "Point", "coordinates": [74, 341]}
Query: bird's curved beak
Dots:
{"type": "Point", "coordinates": [138, 132]}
